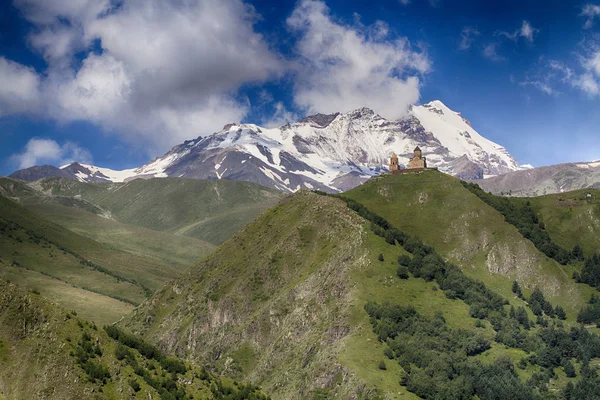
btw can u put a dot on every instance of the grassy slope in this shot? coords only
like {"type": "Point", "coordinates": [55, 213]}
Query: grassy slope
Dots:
{"type": "Point", "coordinates": [207, 210]}
{"type": "Point", "coordinates": [282, 301]}
{"type": "Point", "coordinates": [173, 252]}
{"type": "Point", "coordinates": [37, 341]}
{"type": "Point", "coordinates": [167, 253]}
{"type": "Point", "coordinates": [42, 264]}
{"type": "Point", "coordinates": [436, 207]}
{"type": "Point", "coordinates": [273, 304]}
{"type": "Point", "coordinates": [571, 218]}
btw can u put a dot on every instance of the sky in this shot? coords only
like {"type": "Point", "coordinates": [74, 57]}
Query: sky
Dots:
{"type": "Point", "coordinates": [117, 83]}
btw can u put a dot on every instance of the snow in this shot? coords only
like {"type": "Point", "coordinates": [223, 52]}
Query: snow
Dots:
{"type": "Point", "coordinates": [110, 174]}
{"type": "Point", "coordinates": [589, 165]}
{"type": "Point", "coordinates": [358, 142]}
{"type": "Point", "coordinates": [456, 134]}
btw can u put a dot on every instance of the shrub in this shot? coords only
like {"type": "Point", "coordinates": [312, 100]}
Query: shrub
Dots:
{"type": "Point", "coordinates": [402, 272]}
{"type": "Point", "coordinates": [380, 257]}
{"type": "Point", "coordinates": [382, 365]}
{"type": "Point", "coordinates": [404, 260]}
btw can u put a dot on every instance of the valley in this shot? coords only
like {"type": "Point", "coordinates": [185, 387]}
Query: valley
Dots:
{"type": "Point", "coordinates": [295, 300]}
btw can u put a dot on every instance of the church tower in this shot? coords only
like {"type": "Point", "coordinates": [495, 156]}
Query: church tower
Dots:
{"type": "Point", "coordinates": [394, 163]}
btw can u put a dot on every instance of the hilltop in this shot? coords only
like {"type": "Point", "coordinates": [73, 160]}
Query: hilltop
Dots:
{"type": "Point", "coordinates": [297, 301]}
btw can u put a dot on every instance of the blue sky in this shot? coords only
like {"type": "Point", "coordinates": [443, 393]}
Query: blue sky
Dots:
{"type": "Point", "coordinates": [118, 83]}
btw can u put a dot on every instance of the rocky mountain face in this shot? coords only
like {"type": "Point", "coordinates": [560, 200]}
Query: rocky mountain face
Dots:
{"type": "Point", "coordinates": [329, 152]}
{"type": "Point", "coordinates": [545, 180]}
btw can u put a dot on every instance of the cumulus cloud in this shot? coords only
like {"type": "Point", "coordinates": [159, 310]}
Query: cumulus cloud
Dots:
{"type": "Point", "coordinates": [19, 88]}
{"type": "Point", "coordinates": [343, 67]}
{"type": "Point", "coordinates": [41, 151]}
{"type": "Point", "coordinates": [157, 71]}
{"type": "Point", "coordinates": [591, 12]}
{"type": "Point", "coordinates": [281, 116]}
{"type": "Point", "coordinates": [467, 37]}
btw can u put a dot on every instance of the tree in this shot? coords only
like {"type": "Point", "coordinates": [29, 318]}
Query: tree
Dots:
{"type": "Point", "coordinates": [404, 260]}
{"type": "Point", "coordinates": [560, 313]}
{"type": "Point", "coordinates": [577, 253]}
{"type": "Point", "coordinates": [515, 287]}
{"type": "Point", "coordinates": [569, 369]}
{"type": "Point", "coordinates": [402, 272]}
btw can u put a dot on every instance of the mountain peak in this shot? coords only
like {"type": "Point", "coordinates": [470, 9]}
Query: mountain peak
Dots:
{"type": "Point", "coordinates": [361, 112]}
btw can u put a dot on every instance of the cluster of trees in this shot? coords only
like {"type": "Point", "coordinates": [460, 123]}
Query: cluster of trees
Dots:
{"type": "Point", "coordinates": [540, 306]}
{"type": "Point", "coordinates": [518, 212]}
{"type": "Point", "coordinates": [167, 383]}
{"type": "Point", "coordinates": [86, 354]}
{"type": "Point", "coordinates": [172, 365]}
{"type": "Point", "coordinates": [437, 360]}
{"type": "Point", "coordinates": [590, 273]}
{"type": "Point", "coordinates": [590, 314]}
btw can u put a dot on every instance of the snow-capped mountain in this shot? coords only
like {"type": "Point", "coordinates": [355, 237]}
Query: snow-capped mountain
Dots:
{"type": "Point", "coordinates": [329, 152]}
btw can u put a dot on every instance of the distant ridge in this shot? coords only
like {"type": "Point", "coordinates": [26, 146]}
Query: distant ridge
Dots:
{"type": "Point", "coordinates": [331, 152]}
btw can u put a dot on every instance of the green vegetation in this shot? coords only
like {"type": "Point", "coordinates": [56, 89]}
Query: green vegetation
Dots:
{"type": "Point", "coordinates": [468, 233]}
{"type": "Point", "coordinates": [46, 352]}
{"type": "Point", "coordinates": [571, 219]}
{"type": "Point", "coordinates": [518, 212]}
{"type": "Point", "coordinates": [68, 268]}
{"type": "Point", "coordinates": [272, 304]}
{"type": "Point", "coordinates": [440, 355]}
{"type": "Point", "coordinates": [97, 259]}
{"type": "Point", "coordinates": [208, 210]}
{"type": "Point", "coordinates": [288, 292]}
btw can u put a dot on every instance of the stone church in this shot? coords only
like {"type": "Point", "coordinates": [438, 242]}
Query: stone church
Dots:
{"type": "Point", "coordinates": [417, 162]}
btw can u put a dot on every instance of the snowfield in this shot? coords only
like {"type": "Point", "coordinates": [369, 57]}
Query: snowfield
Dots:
{"type": "Point", "coordinates": [328, 152]}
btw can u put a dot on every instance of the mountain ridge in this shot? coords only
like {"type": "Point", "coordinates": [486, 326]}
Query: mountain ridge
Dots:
{"type": "Point", "coordinates": [331, 152]}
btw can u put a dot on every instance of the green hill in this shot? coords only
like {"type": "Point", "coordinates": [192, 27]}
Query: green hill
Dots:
{"type": "Point", "coordinates": [208, 210]}
{"type": "Point", "coordinates": [571, 218]}
{"type": "Point", "coordinates": [100, 282]}
{"type": "Point", "coordinates": [466, 231]}
{"type": "Point", "coordinates": [309, 300]}
{"type": "Point", "coordinates": [49, 353]}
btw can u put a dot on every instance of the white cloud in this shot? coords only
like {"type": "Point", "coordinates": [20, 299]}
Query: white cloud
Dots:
{"type": "Point", "coordinates": [41, 151]}
{"type": "Point", "coordinates": [467, 37]}
{"type": "Point", "coordinates": [341, 68]}
{"type": "Point", "coordinates": [160, 71]}
{"type": "Point", "coordinates": [19, 88]}
{"type": "Point", "coordinates": [490, 52]}
{"type": "Point", "coordinates": [280, 117]}
{"type": "Point", "coordinates": [590, 11]}
{"type": "Point", "coordinates": [587, 83]}
{"type": "Point", "coordinates": [526, 31]}
{"type": "Point", "coordinates": [542, 86]}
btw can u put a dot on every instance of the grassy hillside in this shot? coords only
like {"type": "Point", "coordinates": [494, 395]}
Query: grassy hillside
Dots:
{"type": "Point", "coordinates": [49, 353]}
{"type": "Point", "coordinates": [101, 283]}
{"type": "Point", "coordinates": [438, 209]}
{"type": "Point", "coordinates": [571, 218]}
{"type": "Point", "coordinates": [87, 219]}
{"type": "Point", "coordinates": [208, 210]}
{"type": "Point", "coordinates": [282, 302]}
